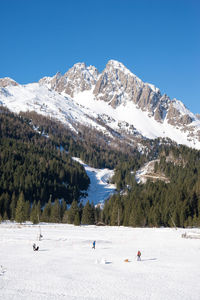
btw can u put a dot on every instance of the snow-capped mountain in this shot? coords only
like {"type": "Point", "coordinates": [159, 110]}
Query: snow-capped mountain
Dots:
{"type": "Point", "coordinates": [115, 102]}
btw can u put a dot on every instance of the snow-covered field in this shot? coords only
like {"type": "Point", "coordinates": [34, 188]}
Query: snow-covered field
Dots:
{"type": "Point", "coordinates": [66, 266]}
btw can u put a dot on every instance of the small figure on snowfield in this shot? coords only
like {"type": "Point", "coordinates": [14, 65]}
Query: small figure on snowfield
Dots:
{"type": "Point", "coordinates": [35, 248]}
{"type": "Point", "coordinates": [93, 245]}
{"type": "Point", "coordinates": [139, 255]}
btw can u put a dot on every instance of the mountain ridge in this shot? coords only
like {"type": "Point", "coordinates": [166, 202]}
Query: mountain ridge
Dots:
{"type": "Point", "coordinates": [115, 98]}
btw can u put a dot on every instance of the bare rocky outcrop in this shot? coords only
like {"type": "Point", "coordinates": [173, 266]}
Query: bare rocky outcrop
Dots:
{"type": "Point", "coordinates": [198, 116]}
{"type": "Point", "coordinates": [4, 82]}
{"type": "Point", "coordinates": [176, 118]}
{"type": "Point", "coordinates": [116, 85]}
{"type": "Point", "coordinates": [77, 79]}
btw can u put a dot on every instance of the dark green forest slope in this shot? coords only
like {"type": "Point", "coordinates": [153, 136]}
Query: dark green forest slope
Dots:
{"type": "Point", "coordinates": [176, 203]}
{"type": "Point", "coordinates": [30, 163]}
{"type": "Point", "coordinates": [36, 170]}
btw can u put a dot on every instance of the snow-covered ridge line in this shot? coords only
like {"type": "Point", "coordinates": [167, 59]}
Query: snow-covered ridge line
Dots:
{"type": "Point", "coordinates": [116, 96]}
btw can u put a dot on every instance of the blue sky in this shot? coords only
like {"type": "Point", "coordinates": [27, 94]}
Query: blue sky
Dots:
{"type": "Point", "coordinates": [158, 40]}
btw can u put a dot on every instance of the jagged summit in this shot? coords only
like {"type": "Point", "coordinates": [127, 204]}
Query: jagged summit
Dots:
{"type": "Point", "coordinates": [7, 81]}
{"type": "Point", "coordinates": [115, 102]}
{"type": "Point", "coordinates": [118, 65]}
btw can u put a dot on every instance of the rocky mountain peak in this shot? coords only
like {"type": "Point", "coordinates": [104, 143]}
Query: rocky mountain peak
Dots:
{"type": "Point", "coordinates": [115, 101]}
{"type": "Point", "coordinates": [117, 85]}
{"type": "Point", "coordinates": [198, 116]}
{"type": "Point", "coordinates": [4, 82]}
{"type": "Point", "coordinates": [77, 79]}
{"type": "Point", "coordinates": [114, 64]}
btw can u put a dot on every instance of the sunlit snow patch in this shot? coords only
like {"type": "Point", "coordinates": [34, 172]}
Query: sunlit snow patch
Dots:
{"type": "Point", "coordinates": [100, 187]}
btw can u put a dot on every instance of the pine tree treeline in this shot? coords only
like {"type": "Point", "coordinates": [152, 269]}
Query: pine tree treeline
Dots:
{"type": "Point", "coordinates": [31, 164]}
{"type": "Point", "coordinates": [159, 203]}
{"type": "Point", "coordinates": [36, 171]}
{"type": "Point", "coordinates": [54, 212]}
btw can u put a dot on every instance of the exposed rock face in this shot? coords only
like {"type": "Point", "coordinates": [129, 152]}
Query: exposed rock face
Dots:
{"type": "Point", "coordinates": [77, 79]}
{"type": "Point", "coordinates": [45, 80]}
{"type": "Point", "coordinates": [176, 117]}
{"type": "Point", "coordinates": [198, 116]}
{"type": "Point", "coordinates": [116, 85]}
{"type": "Point", "coordinates": [4, 82]}
{"type": "Point", "coordinates": [145, 112]}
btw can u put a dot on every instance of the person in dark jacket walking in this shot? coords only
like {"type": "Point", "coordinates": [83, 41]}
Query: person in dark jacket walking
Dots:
{"type": "Point", "coordinates": [93, 245]}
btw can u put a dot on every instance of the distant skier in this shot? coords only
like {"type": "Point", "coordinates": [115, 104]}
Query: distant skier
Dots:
{"type": "Point", "coordinates": [139, 255]}
{"type": "Point", "coordinates": [2, 270]}
{"type": "Point", "coordinates": [35, 248]}
{"type": "Point", "coordinates": [93, 245]}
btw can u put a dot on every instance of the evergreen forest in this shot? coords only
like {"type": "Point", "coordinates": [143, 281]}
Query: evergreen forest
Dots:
{"type": "Point", "coordinates": [39, 180]}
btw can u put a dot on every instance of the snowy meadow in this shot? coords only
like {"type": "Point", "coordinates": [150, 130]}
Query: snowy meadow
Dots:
{"type": "Point", "coordinates": [66, 266]}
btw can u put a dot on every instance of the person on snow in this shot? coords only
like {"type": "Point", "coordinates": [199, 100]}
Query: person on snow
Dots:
{"type": "Point", "coordinates": [139, 255]}
{"type": "Point", "coordinates": [35, 248]}
{"type": "Point", "coordinates": [93, 245]}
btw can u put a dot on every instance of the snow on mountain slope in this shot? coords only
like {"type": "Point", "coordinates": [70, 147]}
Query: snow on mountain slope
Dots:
{"type": "Point", "coordinates": [146, 125]}
{"type": "Point", "coordinates": [114, 100]}
{"type": "Point", "coordinates": [100, 189]}
{"type": "Point", "coordinates": [39, 98]}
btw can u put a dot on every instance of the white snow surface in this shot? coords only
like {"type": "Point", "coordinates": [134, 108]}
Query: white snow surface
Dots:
{"type": "Point", "coordinates": [66, 266]}
{"type": "Point", "coordinates": [100, 189]}
{"type": "Point", "coordinates": [146, 125]}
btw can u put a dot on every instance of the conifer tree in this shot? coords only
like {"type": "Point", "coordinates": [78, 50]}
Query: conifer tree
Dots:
{"type": "Point", "coordinates": [27, 210]}
{"type": "Point", "coordinates": [5, 216]}
{"type": "Point", "coordinates": [13, 206]}
{"type": "Point", "coordinates": [55, 212]}
{"type": "Point", "coordinates": [34, 213]}
{"type": "Point", "coordinates": [72, 212]}
{"type": "Point", "coordinates": [46, 214]}
{"type": "Point", "coordinates": [77, 219]}
{"type": "Point", "coordinates": [20, 209]}
{"type": "Point", "coordinates": [38, 209]}
{"type": "Point", "coordinates": [62, 208]}
{"type": "Point", "coordinates": [65, 217]}
{"type": "Point", "coordinates": [132, 218]}
{"type": "Point", "coordinates": [88, 214]}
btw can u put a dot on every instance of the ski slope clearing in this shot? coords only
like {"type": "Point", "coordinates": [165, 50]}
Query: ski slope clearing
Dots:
{"type": "Point", "coordinates": [147, 172]}
{"type": "Point", "coordinates": [100, 188]}
{"type": "Point", "coordinates": [66, 266]}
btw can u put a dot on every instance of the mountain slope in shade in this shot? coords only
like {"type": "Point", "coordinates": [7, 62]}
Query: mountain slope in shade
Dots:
{"type": "Point", "coordinates": [114, 102]}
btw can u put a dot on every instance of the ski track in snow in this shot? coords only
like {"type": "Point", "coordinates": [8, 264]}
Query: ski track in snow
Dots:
{"type": "Point", "coordinates": [66, 266]}
{"type": "Point", "coordinates": [100, 189]}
